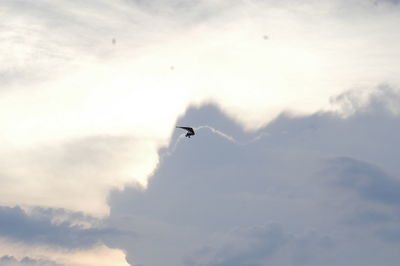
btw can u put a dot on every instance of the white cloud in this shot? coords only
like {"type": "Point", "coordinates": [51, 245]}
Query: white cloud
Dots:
{"type": "Point", "coordinates": [75, 174]}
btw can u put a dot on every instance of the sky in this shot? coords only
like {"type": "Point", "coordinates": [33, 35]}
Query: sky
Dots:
{"type": "Point", "coordinates": [296, 108]}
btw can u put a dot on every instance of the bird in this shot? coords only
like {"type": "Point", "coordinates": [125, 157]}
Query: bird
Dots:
{"type": "Point", "coordinates": [190, 131]}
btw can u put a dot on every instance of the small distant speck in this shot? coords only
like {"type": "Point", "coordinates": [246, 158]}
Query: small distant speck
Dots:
{"type": "Point", "coordinates": [114, 41]}
{"type": "Point", "coordinates": [172, 67]}
{"type": "Point", "coordinates": [265, 37]}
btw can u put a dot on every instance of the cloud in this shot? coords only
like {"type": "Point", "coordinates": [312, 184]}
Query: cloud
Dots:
{"type": "Point", "coordinates": [82, 116]}
{"type": "Point", "coordinates": [383, 99]}
{"type": "Point", "coordinates": [65, 81]}
{"type": "Point", "coordinates": [262, 245]}
{"type": "Point", "coordinates": [274, 196]}
{"type": "Point", "coordinates": [317, 187]}
{"type": "Point", "coordinates": [17, 225]}
{"type": "Point", "coordinates": [12, 261]}
{"type": "Point", "coordinates": [262, 242]}
{"type": "Point", "coordinates": [96, 163]}
{"type": "Point", "coordinates": [387, 1]}
{"type": "Point", "coordinates": [37, 236]}
{"type": "Point", "coordinates": [52, 255]}
{"type": "Point", "coordinates": [369, 181]}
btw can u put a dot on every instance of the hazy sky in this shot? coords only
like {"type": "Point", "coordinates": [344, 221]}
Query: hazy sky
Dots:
{"type": "Point", "coordinates": [295, 160]}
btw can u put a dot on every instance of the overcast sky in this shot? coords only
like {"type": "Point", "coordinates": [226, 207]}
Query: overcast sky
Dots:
{"type": "Point", "coordinates": [296, 106]}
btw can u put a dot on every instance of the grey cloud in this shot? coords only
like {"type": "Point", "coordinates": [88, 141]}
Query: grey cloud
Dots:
{"type": "Point", "coordinates": [12, 261]}
{"type": "Point", "coordinates": [208, 189]}
{"type": "Point", "coordinates": [200, 189]}
{"type": "Point", "coordinates": [391, 235]}
{"type": "Point", "coordinates": [264, 245]}
{"type": "Point", "coordinates": [62, 215]}
{"type": "Point", "coordinates": [378, 211]}
{"type": "Point", "coordinates": [371, 216]}
{"type": "Point", "coordinates": [368, 180]}
{"type": "Point", "coordinates": [17, 225]}
{"type": "Point", "coordinates": [395, 2]}
{"type": "Point", "coordinates": [261, 242]}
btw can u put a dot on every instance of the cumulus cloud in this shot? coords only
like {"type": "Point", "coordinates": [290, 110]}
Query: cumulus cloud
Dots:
{"type": "Point", "coordinates": [309, 190]}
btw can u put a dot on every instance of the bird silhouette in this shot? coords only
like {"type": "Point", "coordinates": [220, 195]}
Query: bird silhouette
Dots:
{"type": "Point", "coordinates": [190, 131]}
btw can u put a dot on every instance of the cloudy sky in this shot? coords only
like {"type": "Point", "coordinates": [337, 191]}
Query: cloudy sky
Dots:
{"type": "Point", "coordinates": [295, 161]}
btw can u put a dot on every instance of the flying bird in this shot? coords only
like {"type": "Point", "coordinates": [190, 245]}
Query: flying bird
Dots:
{"type": "Point", "coordinates": [190, 131]}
